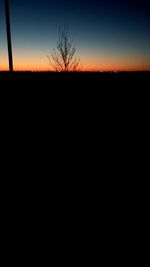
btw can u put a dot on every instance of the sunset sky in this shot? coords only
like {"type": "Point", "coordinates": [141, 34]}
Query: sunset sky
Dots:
{"type": "Point", "coordinates": [109, 35]}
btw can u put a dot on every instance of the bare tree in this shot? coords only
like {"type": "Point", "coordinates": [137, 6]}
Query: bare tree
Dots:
{"type": "Point", "coordinates": [63, 58]}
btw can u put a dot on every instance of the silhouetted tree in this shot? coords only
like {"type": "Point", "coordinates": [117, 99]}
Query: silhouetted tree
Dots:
{"type": "Point", "coordinates": [63, 58]}
{"type": "Point", "coordinates": [8, 35]}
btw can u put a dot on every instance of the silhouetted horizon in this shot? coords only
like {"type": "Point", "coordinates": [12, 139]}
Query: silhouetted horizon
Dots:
{"type": "Point", "coordinates": [76, 72]}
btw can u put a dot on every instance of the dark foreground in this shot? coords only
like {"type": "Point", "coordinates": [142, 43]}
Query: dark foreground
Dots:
{"type": "Point", "coordinates": [99, 109]}
{"type": "Point", "coordinates": [94, 79]}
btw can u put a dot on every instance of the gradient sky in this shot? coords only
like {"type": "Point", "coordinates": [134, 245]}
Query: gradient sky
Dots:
{"type": "Point", "coordinates": [109, 34]}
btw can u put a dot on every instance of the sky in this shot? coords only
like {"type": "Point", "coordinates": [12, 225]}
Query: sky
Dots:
{"type": "Point", "coordinates": [110, 35]}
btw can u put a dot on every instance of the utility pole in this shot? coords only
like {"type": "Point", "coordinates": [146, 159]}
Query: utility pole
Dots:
{"type": "Point", "coordinates": [8, 30]}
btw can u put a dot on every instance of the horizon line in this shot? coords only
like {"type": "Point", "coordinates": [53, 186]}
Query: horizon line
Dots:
{"type": "Point", "coordinates": [80, 71]}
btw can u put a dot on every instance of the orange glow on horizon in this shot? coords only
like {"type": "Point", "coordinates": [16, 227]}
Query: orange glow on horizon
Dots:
{"type": "Point", "coordinates": [35, 64]}
{"type": "Point", "coordinates": [33, 60]}
{"type": "Point", "coordinates": [88, 69]}
{"type": "Point", "coordinates": [33, 67]}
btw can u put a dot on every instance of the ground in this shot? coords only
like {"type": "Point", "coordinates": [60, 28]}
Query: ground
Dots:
{"type": "Point", "coordinates": [94, 77]}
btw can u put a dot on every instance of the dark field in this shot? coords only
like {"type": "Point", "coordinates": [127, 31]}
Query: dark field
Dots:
{"type": "Point", "coordinates": [58, 104]}
{"type": "Point", "coordinates": [67, 79]}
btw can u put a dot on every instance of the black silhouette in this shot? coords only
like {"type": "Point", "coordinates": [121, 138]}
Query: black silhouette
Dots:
{"type": "Point", "coordinates": [8, 29]}
{"type": "Point", "coordinates": [63, 58]}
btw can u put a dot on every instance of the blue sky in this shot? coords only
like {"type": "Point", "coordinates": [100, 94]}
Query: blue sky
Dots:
{"type": "Point", "coordinates": [109, 35]}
